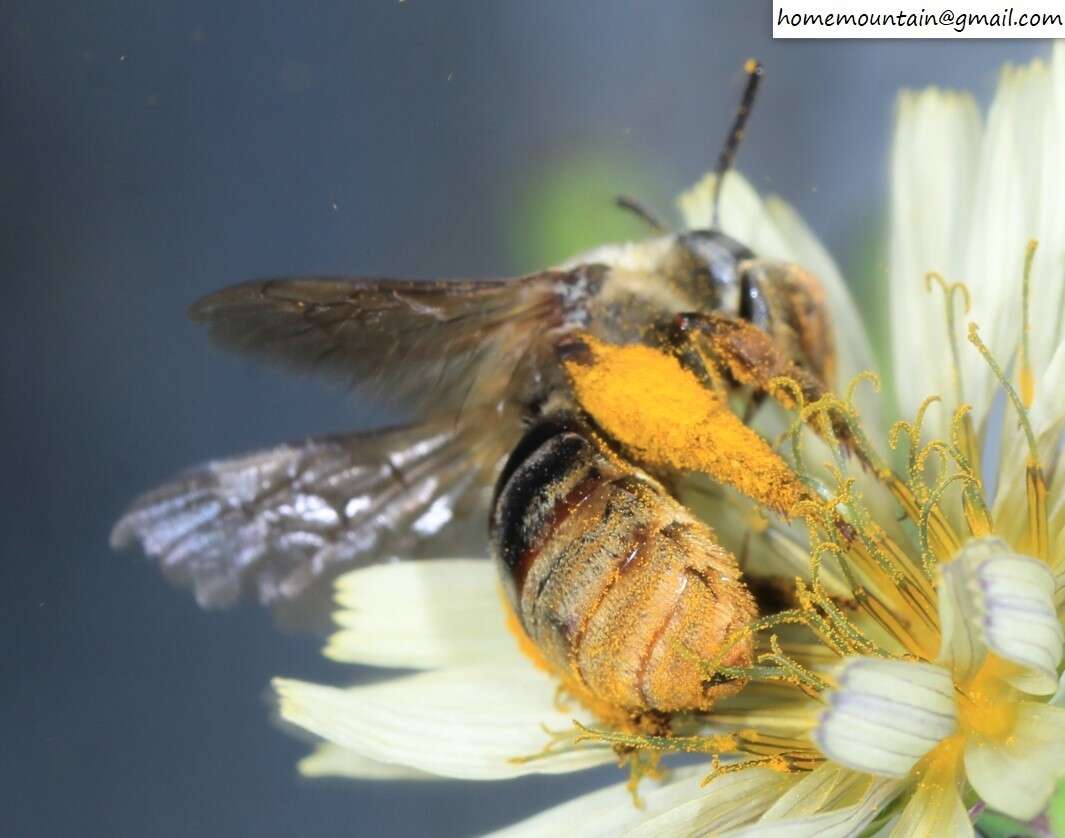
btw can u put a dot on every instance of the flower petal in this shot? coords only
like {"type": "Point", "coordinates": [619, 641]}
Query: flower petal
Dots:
{"type": "Point", "coordinates": [1017, 776]}
{"type": "Point", "coordinates": [830, 786]}
{"type": "Point", "coordinates": [606, 812]}
{"type": "Point", "coordinates": [1020, 623]}
{"type": "Point", "coordinates": [728, 801]}
{"type": "Point", "coordinates": [885, 715]}
{"type": "Point", "coordinates": [935, 806]}
{"type": "Point", "coordinates": [421, 614]}
{"type": "Point", "coordinates": [934, 810]}
{"type": "Point", "coordinates": [1014, 201]}
{"type": "Point", "coordinates": [836, 823]}
{"type": "Point", "coordinates": [993, 599]}
{"type": "Point", "coordinates": [743, 215]}
{"type": "Point", "coordinates": [329, 760]}
{"type": "Point", "coordinates": [467, 722]}
{"type": "Point", "coordinates": [1043, 104]}
{"type": "Point", "coordinates": [610, 811]}
{"type": "Point", "coordinates": [961, 644]}
{"type": "Point", "coordinates": [1058, 699]}
{"type": "Point", "coordinates": [937, 137]}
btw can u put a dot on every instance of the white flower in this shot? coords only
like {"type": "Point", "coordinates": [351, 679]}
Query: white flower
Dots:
{"type": "Point", "coordinates": [480, 709]}
{"type": "Point", "coordinates": [478, 704]}
{"type": "Point", "coordinates": [975, 714]}
{"type": "Point", "coordinates": [927, 654]}
{"type": "Point", "coordinates": [972, 205]}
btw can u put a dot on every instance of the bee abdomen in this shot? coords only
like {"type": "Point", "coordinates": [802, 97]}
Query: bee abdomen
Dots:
{"type": "Point", "coordinates": [614, 582]}
{"type": "Point", "coordinates": [547, 476]}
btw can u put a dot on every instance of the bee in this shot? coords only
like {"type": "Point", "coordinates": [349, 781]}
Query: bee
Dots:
{"type": "Point", "coordinates": [609, 576]}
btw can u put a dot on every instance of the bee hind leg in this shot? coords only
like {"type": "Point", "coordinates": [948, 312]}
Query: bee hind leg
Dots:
{"type": "Point", "coordinates": [728, 350]}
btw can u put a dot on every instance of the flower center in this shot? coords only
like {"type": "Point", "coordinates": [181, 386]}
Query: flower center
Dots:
{"type": "Point", "coordinates": [939, 769]}
{"type": "Point", "coordinates": [987, 707]}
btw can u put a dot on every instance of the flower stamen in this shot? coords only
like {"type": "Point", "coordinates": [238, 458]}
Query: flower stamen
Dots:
{"type": "Point", "coordinates": [977, 515]}
{"type": "Point", "coordinates": [949, 290]}
{"type": "Point", "coordinates": [1038, 526]}
{"type": "Point", "coordinates": [928, 557]}
{"type": "Point", "coordinates": [1027, 377]}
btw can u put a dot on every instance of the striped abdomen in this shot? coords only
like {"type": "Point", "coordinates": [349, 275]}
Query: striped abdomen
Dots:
{"type": "Point", "coordinates": [618, 586]}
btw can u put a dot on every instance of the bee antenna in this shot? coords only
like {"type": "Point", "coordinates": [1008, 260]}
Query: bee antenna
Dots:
{"type": "Point", "coordinates": [640, 211]}
{"type": "Point", "coordinates": [753, 69]}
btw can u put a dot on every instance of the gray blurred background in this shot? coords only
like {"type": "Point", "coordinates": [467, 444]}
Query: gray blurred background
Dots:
{"type": "Point", "coordinates": [155, 151]}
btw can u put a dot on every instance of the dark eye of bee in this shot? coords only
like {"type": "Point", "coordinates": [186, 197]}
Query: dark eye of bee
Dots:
{"type": "Point", "coordinates": [715, 259]}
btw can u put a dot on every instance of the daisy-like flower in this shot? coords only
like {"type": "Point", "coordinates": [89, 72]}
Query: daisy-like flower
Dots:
{"type": "Point", "coordinates": [915, 672]}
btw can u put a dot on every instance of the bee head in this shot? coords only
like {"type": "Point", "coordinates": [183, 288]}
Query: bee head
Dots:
{"type": "Point", "coordinates": [712, 262]}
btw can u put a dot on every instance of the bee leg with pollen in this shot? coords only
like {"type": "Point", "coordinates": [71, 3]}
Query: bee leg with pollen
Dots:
{"type": "Point", "coordinates": [718, 346]}
{"type": "Point", "coordinates": [666, 416]}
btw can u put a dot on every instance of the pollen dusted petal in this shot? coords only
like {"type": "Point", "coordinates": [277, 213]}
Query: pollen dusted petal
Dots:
{"type": "Point", "coordinates": [677, 807]}
{"type": "Point", "coordinates": [464, 722]}
{"type": "Point", "coordinates": [886, 714]}
{"type": "Point", "coordinates": [421, 615]}
{"type": "Point", "coordinates": [1017, 775]}
{"type": "Point", "coordinates": [728, 801]}
{"type": "Point", "coordinates": [935, 806]}
{"type": "Point", "coordinates": [830, 786]}
{"type": "Point", "coordinates": [835, 823]}
{"type": "Point", "coordinates": [994, 599]}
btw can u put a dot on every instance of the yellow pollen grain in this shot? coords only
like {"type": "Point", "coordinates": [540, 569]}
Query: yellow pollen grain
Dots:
{"type": "Point", "coordinates": [938, 771]}
{"type": "Point", "coordinates": [987, 706]}
{"type": "Point", "coordinates": [645, 400]}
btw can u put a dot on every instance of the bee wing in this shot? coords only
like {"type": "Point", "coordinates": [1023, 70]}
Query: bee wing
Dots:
{"type": "Point", "coordinates": [416, 342]}
{"type": "Point", "coordinates": [272, 523]}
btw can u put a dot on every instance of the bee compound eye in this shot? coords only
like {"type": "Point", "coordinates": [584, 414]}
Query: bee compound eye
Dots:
{"type": "Point", "coordinates": [717, 259]}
